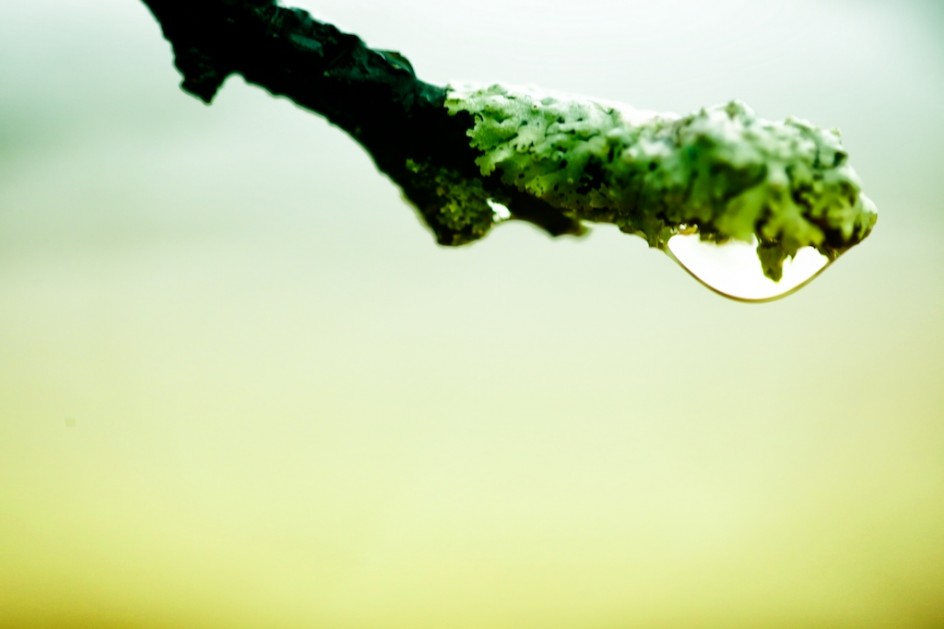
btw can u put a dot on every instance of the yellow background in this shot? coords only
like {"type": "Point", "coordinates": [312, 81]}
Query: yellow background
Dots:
{"type": "Point", "coordinates": [240, 385]}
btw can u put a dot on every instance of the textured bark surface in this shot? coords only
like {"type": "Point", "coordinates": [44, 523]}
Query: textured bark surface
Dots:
{"type": "Point", "coordinates": [373, 95]}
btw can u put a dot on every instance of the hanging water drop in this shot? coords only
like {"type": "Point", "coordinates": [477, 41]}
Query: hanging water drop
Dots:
{"type": "Point", "coordinates": [733, 269]}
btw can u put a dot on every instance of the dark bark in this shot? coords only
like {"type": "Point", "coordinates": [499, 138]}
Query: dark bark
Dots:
{"type": "Point", "coordinates": [373, 95]}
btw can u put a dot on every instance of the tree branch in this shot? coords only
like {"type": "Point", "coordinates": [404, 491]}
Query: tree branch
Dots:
{"type": "Point", "coordinates": [721, 173]}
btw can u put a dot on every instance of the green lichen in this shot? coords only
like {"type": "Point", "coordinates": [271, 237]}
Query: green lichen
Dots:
{"type": "Point", "coordinates": [455, 207]}
{"type": "Point", "coordinates": [722, 172]}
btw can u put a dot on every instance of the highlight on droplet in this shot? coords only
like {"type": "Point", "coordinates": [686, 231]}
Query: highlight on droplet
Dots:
{"type": "Point", "coordinates": [500, 211]}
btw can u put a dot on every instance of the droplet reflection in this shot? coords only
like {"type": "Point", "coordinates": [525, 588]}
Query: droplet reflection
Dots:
{"type": "Point", "coordinates": [732, 269]}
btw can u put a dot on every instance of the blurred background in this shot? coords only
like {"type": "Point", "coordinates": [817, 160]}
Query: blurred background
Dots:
{"type": "Point", "coordinates": [241, 386]}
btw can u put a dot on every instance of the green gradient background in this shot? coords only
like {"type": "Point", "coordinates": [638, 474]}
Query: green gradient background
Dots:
{"type": "Point", "coordinates": [241, 386]}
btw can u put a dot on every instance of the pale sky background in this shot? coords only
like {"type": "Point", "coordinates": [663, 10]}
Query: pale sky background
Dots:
{"type": "Point", "coordinates": [241, 386]}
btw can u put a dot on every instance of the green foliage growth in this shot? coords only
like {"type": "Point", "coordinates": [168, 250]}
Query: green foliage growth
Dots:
{"type": "Point", "coordinates": [721, 171]}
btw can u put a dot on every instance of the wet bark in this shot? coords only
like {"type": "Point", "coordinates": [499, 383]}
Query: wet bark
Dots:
{"type": "Point", "coordinates": [374, 95]}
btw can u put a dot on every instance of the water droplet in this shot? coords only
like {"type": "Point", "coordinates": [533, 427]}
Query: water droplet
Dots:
{"type": "Point", "coordinates": [733, 269]}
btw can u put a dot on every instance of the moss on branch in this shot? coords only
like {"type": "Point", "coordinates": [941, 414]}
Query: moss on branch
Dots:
{"type": "Point", "coordinates": [722, 172]}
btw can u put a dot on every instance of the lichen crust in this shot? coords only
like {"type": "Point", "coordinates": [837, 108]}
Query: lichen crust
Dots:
{"type": "Point", "coordinates": [721, 171]}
